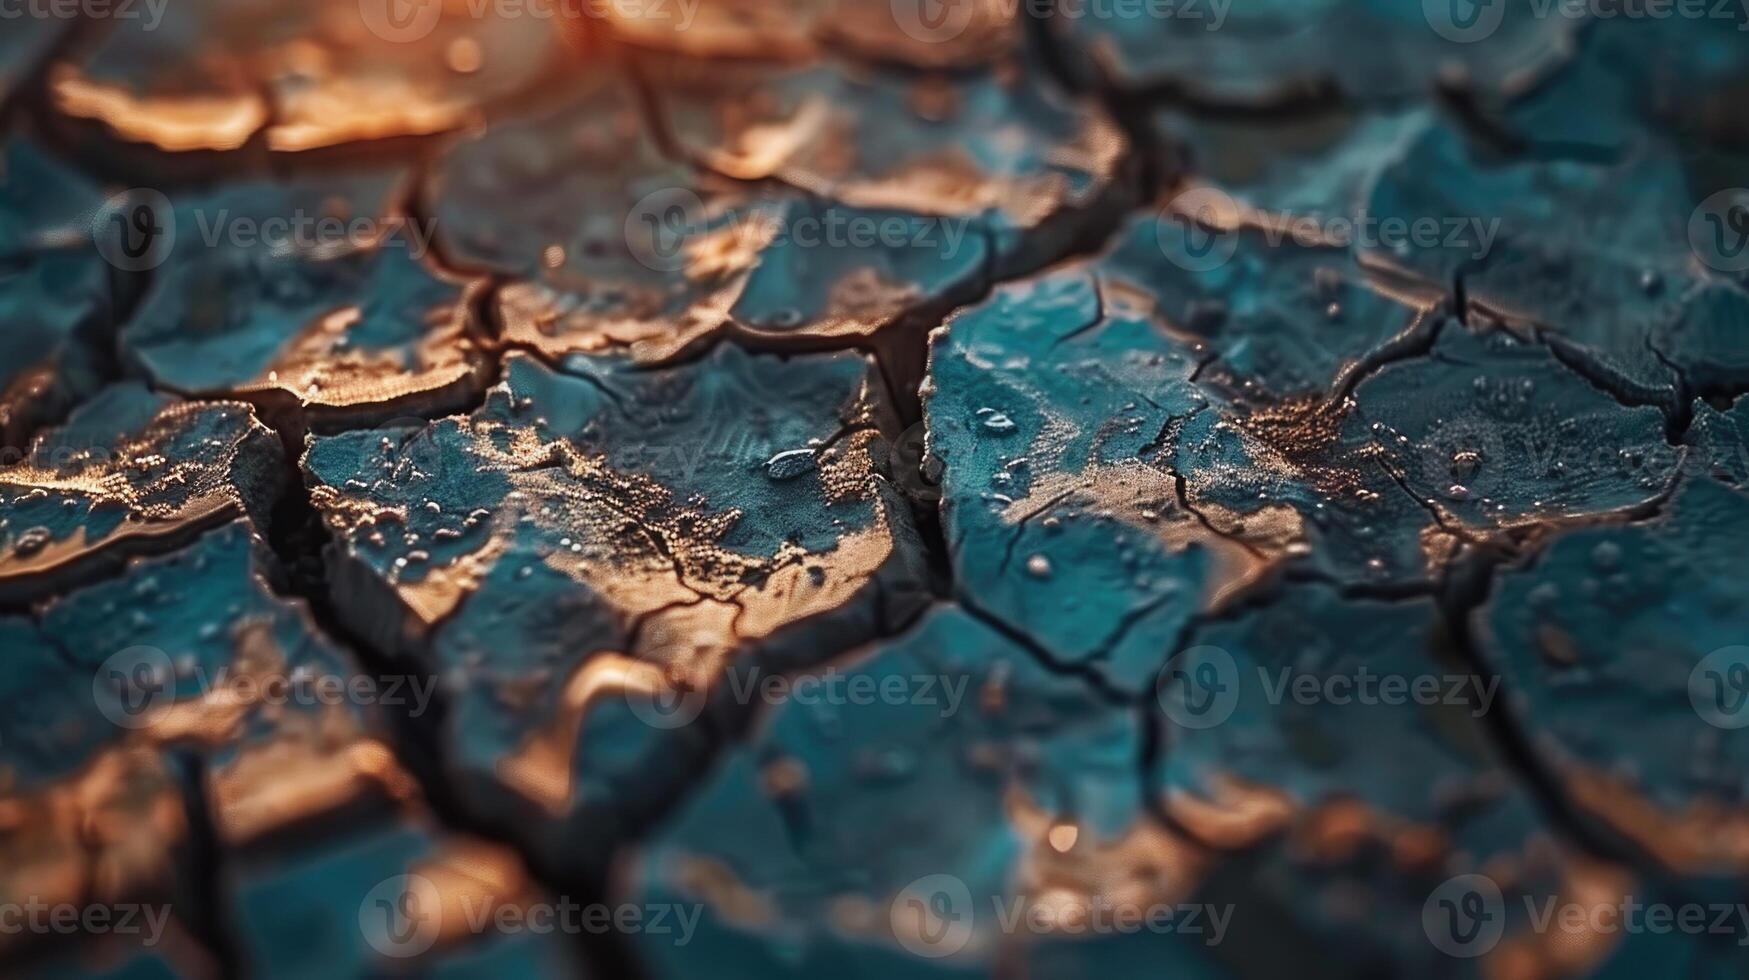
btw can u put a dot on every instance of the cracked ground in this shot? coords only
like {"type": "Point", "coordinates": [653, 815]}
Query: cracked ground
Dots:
{"type": "Point", "coordinates": [875, 488]}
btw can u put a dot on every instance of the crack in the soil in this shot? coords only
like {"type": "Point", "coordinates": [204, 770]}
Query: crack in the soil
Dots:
{"type": "Point", "coordinates": [1083, 671]}
{"type": "Point", "coordinates": [205, 862]}
{"type": "Point", "coordinates": [299, 540]}
{"type": "Point", "coordinates": [1468, 584]}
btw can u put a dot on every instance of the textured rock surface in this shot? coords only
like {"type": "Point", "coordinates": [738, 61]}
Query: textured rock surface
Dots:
{"type": "Point", "coordinates": [614, 248]}
{"type": "Point", "coordinates": [1022, 163]}
{"type": "Point", "coordinates": [619, 533]}
{"type": "Point", "coordinates": [215, 75]}
{"type": "Point", "coordinates": [55, 296]}
{"type": "Point", "coordinates": [574, 203]}
{"type": "Point", "coordinates": [804, 842]}
{"type": "Point", "coordinates": [316, 300]}
{"type": "Point", "coordinates": [131, 473]}
{"type": "Point", "coordinates": [1045, 411]}
{"type": "Point", "coordinates": [1641, 728]}
{"type": "Point", "coordinates": [1678, 76]}
{"type": "Point", "coordinates": [1258, 54]}
{"type": "Point", "coordinates": [1598, 274]}
{"type": "Point", "coordinates": [394, 892]}
{"type": "Point", "coordinates": [1376, 800]}
{"type": "Point", "coordinates": [810, 488]}
{"type": "Point", "coordinates": [907, 31]}
{"type": "Point", "coordinates": [184, 679]}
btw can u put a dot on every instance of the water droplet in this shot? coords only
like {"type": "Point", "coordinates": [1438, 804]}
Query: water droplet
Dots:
{"type": "Point", "coordinates": [1063, 837]}
{"type": "Point", "coordinates": [784, 319]}
{"type": "Point", "coordinates": [998, 423]}
{"type": "Point", "coordinates": [790, 464]}
{"type": "Point", "coordinates": [1606, 557]}
{"type": "Point", "coordinates": [32, 541]}
{"type": "Point", "coordinates": [1038, 566]}
{"type": "Point", "coordinates": [1464, 465]}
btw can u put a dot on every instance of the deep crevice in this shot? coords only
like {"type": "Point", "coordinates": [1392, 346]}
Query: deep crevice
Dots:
{"type": "Point", "coordinates": [1465, 593]}
{"type": "Point", "coordinates": [205, 861]}
{"type": "Point", "coordinates": [300, 539]}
